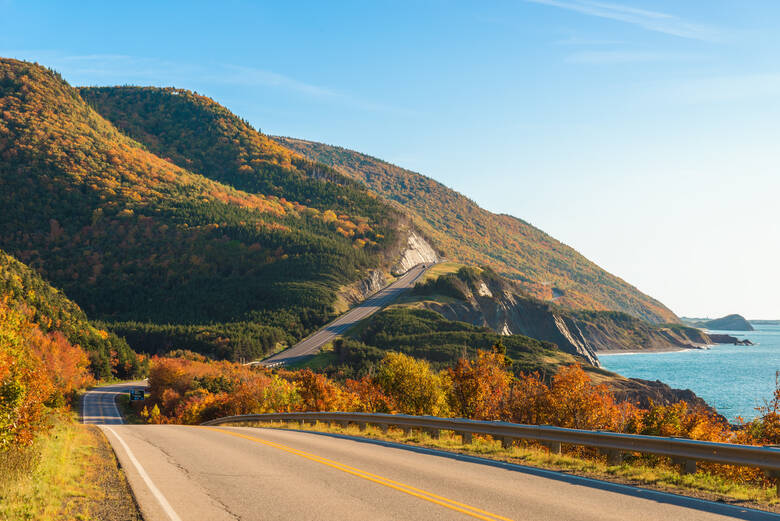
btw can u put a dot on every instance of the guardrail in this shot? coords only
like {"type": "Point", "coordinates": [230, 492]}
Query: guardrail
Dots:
{"type": "Point", "coordinates": [683, 452]}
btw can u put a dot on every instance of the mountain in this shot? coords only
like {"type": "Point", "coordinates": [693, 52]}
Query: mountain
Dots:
{"type": "Point", "coordinates": [156, 249]}
{"type": "Point", "coordinates": [198, 134]}
{"type": "Point", "coordinates": [544, 267]}
{"type": "Point", "coordinates": [177, 225]}
{"type": "Point", "coordinates": [50, 310]}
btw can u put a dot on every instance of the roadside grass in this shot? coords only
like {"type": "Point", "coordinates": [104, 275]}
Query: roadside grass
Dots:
{"type": "Point", "coordinates": [60, 477]}
{"type": "Point", "coordinates": [324, 358]}
{"type": "Point", "coordinates": [417, 301]}
{"type": "Point", "coordinates": [577, 461]}
{"type": "Point", "coordinates": [129, 414]}
{"type": "Point", "coordinates": [441, 268]}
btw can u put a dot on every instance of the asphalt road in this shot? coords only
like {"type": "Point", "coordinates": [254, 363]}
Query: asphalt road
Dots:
{"type": "Point", "coordinates": [99, 404]}
{"type": "Point", "coordinates": [184, 473]}
{"type": "Point", "coordinates": [311, 345]}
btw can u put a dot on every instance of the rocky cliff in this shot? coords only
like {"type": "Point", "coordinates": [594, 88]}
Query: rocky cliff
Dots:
{"type": "Point", "coordinates": [417, 251]}
{"type": "Point", "coordinates": [482, 297]}
{"type": "Point", "coordinates": [728, 339]}
{"type": "Point", "coordinates": [359, 291]}
{"type": "Point", "coordinates": [413, 250]}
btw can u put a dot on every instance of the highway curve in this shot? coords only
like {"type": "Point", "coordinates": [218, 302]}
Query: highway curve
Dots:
{"type": "Point", "coordinates": [312, 344]}
{"type": "Point", "coordinates": [238, 473]}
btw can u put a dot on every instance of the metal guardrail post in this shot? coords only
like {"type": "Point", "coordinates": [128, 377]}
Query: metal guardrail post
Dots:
{"type": "Point", "coordinates": [614, 456]}
{"type": "Point", "coordinates": [686, 465]}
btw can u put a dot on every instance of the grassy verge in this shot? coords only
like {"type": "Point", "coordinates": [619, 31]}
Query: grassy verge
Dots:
{"type": "Point", "coordinates": [127, 411]}
{"type": "Point", "coordinates": [441, 268]}
{"type": "Point", "coordinates": [659, 476]}
{"type": "Point", "coordinates": [70, 473]}
{"type": "Point", "coordinates": [324, 358]}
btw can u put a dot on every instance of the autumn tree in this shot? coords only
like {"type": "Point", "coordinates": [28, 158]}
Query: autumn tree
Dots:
{"type": "Point", "coordinates": [480, 388]}
{"type": "Point", "coordinates": [413, 385]}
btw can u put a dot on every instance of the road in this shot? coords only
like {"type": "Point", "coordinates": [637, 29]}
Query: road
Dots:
{"type": "Point", "coordinates": [311, 345]}
{"type": "Point", "coordinates": [99, 404]}
{"type": "Point", "coordinates": [184, 473]}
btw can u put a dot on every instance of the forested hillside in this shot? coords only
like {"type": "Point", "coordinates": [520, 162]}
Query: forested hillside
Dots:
{"type": "Point", "coordinates": [204, 137]}
{"type": "Point", "coordinates": [546, 268]}
{"type": "Point", "coordinates": [134, 238]}
{"type": "Point", "coordinates": [199, 134]}
{"type": "Point", "coordinates": [427, 335]}
{"type": "Point", "coordinates": [48, 310]}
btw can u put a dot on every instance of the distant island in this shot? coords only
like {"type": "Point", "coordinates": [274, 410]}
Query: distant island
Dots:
{"type": "Point", "coordinates": [732, 322]}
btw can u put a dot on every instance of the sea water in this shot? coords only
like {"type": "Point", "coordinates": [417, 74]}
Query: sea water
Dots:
{"type": "Point", "coordinates": [733, 379]}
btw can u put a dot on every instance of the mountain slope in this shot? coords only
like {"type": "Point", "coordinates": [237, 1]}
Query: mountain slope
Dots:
{"type": "Point", "coordinates": [135, 238]}
{"type": "Point", "coordinates": [49, 309]}
{"type": "Point", "coordinates": [546, 268]}
{"type": "Point", "coordinates": [198, 134]}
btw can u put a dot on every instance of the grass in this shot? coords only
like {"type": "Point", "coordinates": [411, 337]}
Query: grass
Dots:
{"type": "Point", "coordinates": [324, 358]}
{"type": "Point", "coordinates": [634, 471]}
{"type": "Point", "coordinates": [60, 477]}
{"type": "Point", "coordinates": [441, 268]}
{"type": "Point", "coordinates": [129, 414]}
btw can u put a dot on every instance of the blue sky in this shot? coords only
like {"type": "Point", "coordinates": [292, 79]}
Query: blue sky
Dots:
{"type": "Point", "coordinates": [642, 133]}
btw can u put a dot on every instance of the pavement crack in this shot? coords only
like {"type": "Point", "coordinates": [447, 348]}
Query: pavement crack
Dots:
{"type": "Point", "coordinates": [190, 476]}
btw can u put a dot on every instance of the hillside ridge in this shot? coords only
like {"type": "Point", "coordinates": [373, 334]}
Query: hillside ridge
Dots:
{"type": "Point", "coordinates": [169, 257]}
{"type": "Point", "coordinates": [546, 268]}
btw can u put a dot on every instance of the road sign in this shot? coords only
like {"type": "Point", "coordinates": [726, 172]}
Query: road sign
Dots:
{"type": "Point", "coordinates": [136, 394]}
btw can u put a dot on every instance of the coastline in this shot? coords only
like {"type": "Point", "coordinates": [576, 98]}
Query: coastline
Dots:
{"type": "Point", "coordinates": [648, 350]}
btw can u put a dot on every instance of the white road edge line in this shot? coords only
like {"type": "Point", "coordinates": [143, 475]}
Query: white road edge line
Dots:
{"type": "Point", "coordinates": [155, 491]}
{"type": "Point", "coordinates": [116, 410]}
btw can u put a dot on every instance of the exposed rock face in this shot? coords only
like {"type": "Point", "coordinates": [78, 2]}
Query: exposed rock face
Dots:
{"type": "Point", "coordinates": [361, 290]}
{"type": "Point", "coordinates": [417, 251]}
{"type": "Point", "coordinates": [374, 282]}
{"type": "Point", "coordinates": [492, 303]}
{"type": "Point", "coordinates": [609, 336]}
{"type": "Point", "coordinates": [728, 339]}
{"type": "Point", "coordinates": [486, 299]}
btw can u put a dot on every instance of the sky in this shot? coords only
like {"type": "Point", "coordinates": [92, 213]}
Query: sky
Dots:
{"type": "Point", "coordinates": [642, 133]}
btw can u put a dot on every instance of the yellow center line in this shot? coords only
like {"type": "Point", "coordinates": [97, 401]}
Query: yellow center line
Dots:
{"type": "Point", "coordinates": [402, 487]}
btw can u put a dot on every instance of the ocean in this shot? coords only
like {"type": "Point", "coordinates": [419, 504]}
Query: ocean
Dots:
{"type": "Point", "coordinates": [733, 379]}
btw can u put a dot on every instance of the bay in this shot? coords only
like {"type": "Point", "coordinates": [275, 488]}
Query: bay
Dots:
{"type": "Point", "coordinates": [733, 379]}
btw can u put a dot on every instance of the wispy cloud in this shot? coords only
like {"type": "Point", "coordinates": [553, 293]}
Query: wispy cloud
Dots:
{"type": "Point", "coordinates": [618, 57]}
{"type": "Point", "coordinates": [724, 88]}
{"type": "Point", "coordinates": [576, 41]}
{"type": "Point", "coordinates": [238, 75]}
{"type": "Point", "coordinates": [649, 20]}
{"type": "Point", "coordinates": [121, 69]}
{"type": "Point", "coordinates": [249, 76]}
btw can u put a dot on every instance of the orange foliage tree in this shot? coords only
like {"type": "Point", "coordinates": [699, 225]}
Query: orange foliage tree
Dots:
{"type": "Point", "coordinates": [36, 369]}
